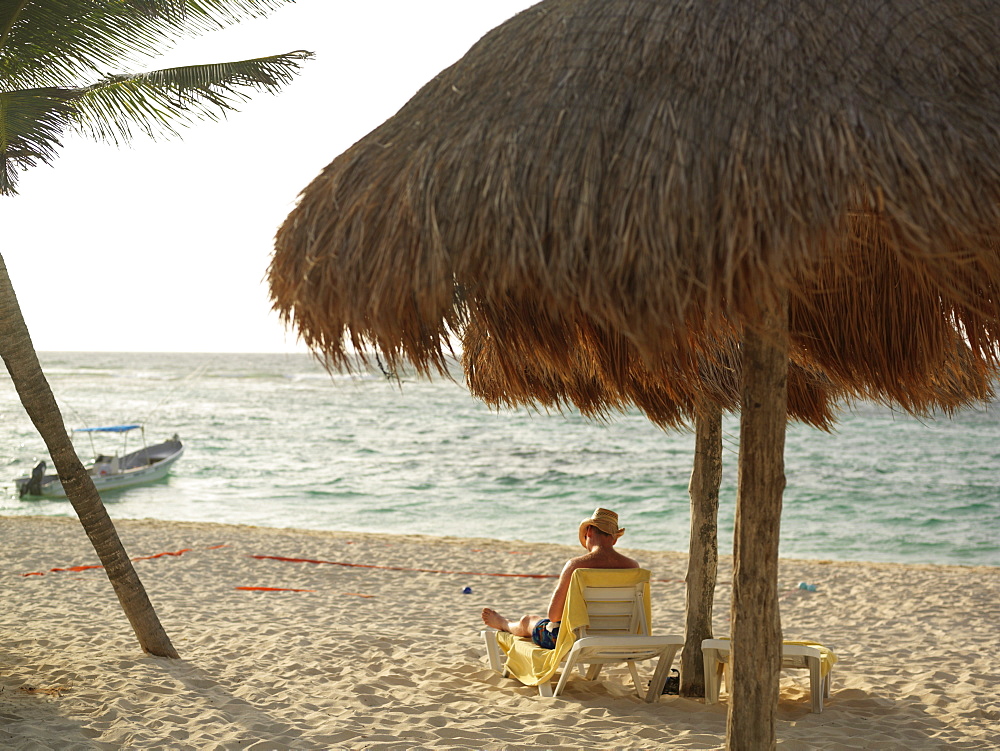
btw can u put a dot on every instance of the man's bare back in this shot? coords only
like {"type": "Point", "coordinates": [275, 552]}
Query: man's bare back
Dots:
{"type": "Point", "coordinates": [602, 558]}
{"type": "Point", "coordinates": [598, 535]}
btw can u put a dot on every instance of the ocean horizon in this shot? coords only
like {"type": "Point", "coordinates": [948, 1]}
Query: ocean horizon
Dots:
{"type": "Point", "coordinates": [275, 440]}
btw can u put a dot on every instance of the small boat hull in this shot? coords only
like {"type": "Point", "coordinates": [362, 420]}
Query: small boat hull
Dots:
{"type": "Point", "coordinates": [113, 473]}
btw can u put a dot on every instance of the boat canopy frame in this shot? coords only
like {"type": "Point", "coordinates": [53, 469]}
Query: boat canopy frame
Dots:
{"type": "Point", "coordinates": [109, 429]}
{"type": "Point", "coordinates": [123, 429]}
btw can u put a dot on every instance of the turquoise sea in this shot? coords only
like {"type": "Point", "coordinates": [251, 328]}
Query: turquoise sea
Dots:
{"type": "Point", "coordinates": [275, 440]}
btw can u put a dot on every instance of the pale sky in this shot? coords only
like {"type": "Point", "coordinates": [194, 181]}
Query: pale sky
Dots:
{"type": "Point", "coordinates": [163, 246]}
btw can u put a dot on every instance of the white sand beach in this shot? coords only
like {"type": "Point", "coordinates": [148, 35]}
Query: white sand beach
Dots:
{"type": "Point", "coordinates": [386, 653]}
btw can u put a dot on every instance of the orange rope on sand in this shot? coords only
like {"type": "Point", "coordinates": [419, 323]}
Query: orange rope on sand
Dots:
{"type": "Point", "coordinates": [427, 570]}
{"type": "Point", "coordinates": [327, 563]}
{"type": "Point", "coordinates": [400, 568]}
{"type": "Point", "coordinates": [137, 558]}
{"type": "Point", "coordinates": [160, 555]}
{"type": "Point", "coordinates": [286, 589]}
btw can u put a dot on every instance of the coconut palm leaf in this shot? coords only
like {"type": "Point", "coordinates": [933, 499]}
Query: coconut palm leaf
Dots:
{"type": "Point", "coordinates": [51, 52]}
{"type": "Point", "coordinates": [31, 124]}
{"type": "Point", "coordinates": [58, 42]}
{"type": "Point", "coordinates": [156, 103]}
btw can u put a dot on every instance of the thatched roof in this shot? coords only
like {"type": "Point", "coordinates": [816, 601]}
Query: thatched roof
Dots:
{"type": "Point", "coordinates": [658, 171]}
{"type": "Point", "coordinates": [891, 330]}
{"type": "Point", "coordinates": [599, 377]}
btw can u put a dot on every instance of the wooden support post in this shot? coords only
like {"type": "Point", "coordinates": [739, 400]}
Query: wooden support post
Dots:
{"type": "Point", "coordinates": [703, 549]}
{"type": "Point", "coordinates": [756, 623]}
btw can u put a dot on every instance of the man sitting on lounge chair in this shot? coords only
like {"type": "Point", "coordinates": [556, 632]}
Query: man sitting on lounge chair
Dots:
{"type": "Point", "coordinates": [598, 534]}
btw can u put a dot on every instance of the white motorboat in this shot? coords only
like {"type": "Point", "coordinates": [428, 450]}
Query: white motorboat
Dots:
{"type": "Point", "coordinates": [110, 472]}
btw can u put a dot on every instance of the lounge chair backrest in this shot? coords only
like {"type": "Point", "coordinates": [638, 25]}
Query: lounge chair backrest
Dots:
{"type": "Point", "coordinates": [605, 621]}
{"type": "Point", "coordinates": [615, 611]}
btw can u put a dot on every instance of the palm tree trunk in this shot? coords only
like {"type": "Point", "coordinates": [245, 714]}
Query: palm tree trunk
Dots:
{"type": "Point", "coordinates": [703, 549]}
{"type": "Point", "coordinates": [756, 622]}
{"type": "Point", "coordinates": [25, 371]}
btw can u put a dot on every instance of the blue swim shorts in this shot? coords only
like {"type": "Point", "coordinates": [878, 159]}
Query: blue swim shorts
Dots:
{"type": "Point", "coordinates": [542, 636]}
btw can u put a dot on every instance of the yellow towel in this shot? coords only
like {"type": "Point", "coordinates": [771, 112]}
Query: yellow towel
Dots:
{"type": "Point", "coordinates": [533, 665]}
{"type": "Point", "coordinates": [827, 659]}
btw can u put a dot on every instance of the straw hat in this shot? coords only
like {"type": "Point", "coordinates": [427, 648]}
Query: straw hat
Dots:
{"type": "Point", "coordinates": [604, 520]}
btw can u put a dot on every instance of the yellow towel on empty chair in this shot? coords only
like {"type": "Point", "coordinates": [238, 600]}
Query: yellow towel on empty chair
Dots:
{"type": "Point", "coordinates": [533, 665]}
{"type": "Point", "coordinates": [827, 659]}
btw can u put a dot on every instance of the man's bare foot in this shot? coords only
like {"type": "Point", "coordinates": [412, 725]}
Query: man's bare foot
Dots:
{"type": "Point", "coordinates": [494, 620]}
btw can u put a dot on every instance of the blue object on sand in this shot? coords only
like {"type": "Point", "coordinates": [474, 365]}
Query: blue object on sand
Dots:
{"type": "Point", "coordinates": [467, 591]}
{"type": "Point", "coordinates": [807, 587]}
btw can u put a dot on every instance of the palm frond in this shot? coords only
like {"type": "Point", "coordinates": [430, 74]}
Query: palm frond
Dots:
{"type": "Point", "coordinates": [158, 102]}
{"type": "Point", "coordinates": [32, 121]}
{"type": "Point", "coordinates": [31, 125]}
{"type": "Point", "coordinates": [58, 42]}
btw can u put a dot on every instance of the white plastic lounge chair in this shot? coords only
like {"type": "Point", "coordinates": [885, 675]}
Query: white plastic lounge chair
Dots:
{"type": "Point", "coordinates": [811, 656]}
{"type": "Point", "coordinates": [605, 620]}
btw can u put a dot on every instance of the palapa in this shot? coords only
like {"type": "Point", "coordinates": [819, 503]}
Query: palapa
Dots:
{"type": "Point", "coordinates": [593, 158]}
{"type": "Point", "coordinates": [822, 179]}
{"type": "Point", "coordinates": [604, 377]}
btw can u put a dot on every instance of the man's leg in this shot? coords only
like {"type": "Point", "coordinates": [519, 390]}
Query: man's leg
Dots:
{"type": "Point", "coordinates": [521, 627]}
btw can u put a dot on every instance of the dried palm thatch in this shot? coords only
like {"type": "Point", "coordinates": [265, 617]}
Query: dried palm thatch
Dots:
{"type": "Point", "coordinates": [654, 167]}
{"type": "Point", "coordinates": [654, 175]}
{"type": "Point", "coordinates": [599, 374]}
{"type": "Point", "coordinates": [599, 377]}
{"type": "Point", "coordinates": [888, 329]}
